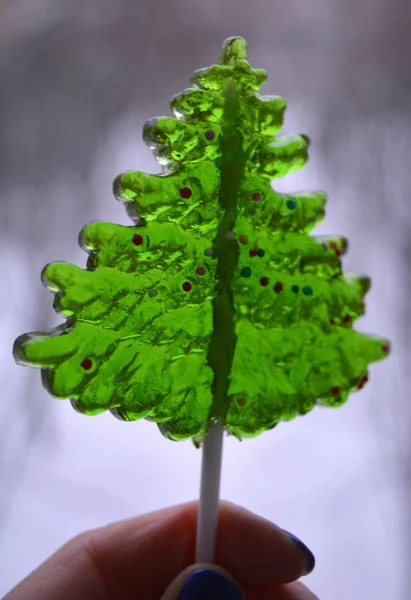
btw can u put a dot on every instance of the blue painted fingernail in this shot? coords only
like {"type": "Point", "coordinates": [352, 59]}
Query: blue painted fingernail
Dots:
{"type": "Point", "coordinates": [309, 555]}
{"type": "Point", "coordinates": [208, 585]}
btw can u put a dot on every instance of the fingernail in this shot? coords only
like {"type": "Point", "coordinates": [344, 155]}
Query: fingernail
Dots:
{"type": "Point", "coordinates": [309, 555]}
{"type": "Point", "coordinates": [208, 585]}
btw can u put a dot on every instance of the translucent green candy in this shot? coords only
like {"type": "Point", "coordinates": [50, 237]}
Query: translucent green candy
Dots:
{"type": "Point", "coordinates": [216, 302]}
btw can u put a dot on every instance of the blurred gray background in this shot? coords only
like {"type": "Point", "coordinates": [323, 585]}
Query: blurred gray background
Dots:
{"type": "Point", "coordinates": [78, 80]}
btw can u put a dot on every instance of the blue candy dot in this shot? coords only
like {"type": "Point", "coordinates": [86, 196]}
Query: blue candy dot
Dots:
{"type": "Point", "coordinates": [245, 272]}
{"type": "Point", "coordinates": [291, 204]}
{"type": "Point", "coordinates": [295, 289]}
{"type": "Point", "coordinates": [261, 252]}
{"type": "Point", "coordinates": [307, 291]}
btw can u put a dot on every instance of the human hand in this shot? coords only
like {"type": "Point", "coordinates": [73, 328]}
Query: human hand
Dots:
{"type": "Point", "coordinates": [151, 556]}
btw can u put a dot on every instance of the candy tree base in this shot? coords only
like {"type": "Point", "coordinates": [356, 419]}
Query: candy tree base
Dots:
{"type": "Point", "coordinates": [207, 519]}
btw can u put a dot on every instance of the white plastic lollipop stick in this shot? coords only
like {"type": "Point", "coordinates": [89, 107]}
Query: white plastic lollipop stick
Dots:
{"type": "Point", "coordinates": [207, 519]}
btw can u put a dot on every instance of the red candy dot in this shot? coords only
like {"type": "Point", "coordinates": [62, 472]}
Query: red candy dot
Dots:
{"type": "Point", "coordinates": [137, 239]}
{"type": "Point", "coordinates": [253, 252]}
{"type": "Point", "coordinates": [241, 402]}
{"type": "Point", "coordinates": [200, 270]}
{"type": "Point", "coordinates": [186, 192]}
{"type": "Point", "coordinates": [362, 382]}
{"type": "Point", "coordinates": [243, 239]}
{"type": "Point", "coordinates": [187, 287]}
{"type": "Point", "coordinates": [335, 391]}
{"type": "Point", "coordinates": [278, 287]}
{"type": "Point", "coordinates": [87, 364]}
{"type": "Point", "coordinates": [347, 319]}
{"type": "Point", "coordinates": [256, 196]}
{"type": "Point", "coordinates": [264, 281]}
{"type": "Point", "coordinates": [386, 347]}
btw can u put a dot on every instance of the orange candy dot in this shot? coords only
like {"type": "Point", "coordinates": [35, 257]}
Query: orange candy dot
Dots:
{"type": "Point", "coordinates": [336, 249]}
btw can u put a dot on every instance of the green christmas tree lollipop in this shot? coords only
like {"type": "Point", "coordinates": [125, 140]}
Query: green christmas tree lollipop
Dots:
{"type": "Point", "coordinates": [216, 307]}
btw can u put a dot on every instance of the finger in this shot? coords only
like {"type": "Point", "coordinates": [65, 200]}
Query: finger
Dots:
{"type": "Point", "coordinates": [291, 591]}
{"type": "Point", "coordinates": [258, 552]}
{"type": "Point", "coordinates": [141, 556]}
{"type": "Point", "coordinates": [253, 549]}
{"type": "Point", "coordinates": [295, 591]}
{"type": "Point", "coordinates": [205, 581]}
{"type": "Point", "coordinates": [211, 581]}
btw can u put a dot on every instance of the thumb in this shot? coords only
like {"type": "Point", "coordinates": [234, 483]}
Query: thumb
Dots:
{"type": "Point", "coordinates": [203, 580]}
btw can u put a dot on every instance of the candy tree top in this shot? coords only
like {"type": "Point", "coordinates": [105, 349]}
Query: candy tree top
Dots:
{"type": "Point", "coordinates": [216, 302]}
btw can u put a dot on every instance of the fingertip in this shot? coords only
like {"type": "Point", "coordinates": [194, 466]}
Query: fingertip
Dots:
{"type": "Point", "coordinates": [309, 556]}
{"type": "Point", "coordinates": [256, 551]}
{"type": "Point", "coordinates": [204, 580]}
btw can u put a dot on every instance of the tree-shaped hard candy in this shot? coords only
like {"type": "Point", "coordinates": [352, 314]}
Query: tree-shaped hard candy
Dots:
{"type": "Point", "coordinates": [216, 303]}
